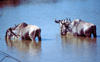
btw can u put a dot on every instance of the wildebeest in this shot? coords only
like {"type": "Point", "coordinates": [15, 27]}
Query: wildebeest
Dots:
{"type": "Point", "coordinates": [24, 31]}
{"type": "Point", "coordinates": [79, 28]}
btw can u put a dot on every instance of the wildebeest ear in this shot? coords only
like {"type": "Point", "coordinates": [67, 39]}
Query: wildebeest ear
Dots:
{"type": "Point", "coordinates": [66, 18]}
{"type": "Point", "coordinates": [10, 29]}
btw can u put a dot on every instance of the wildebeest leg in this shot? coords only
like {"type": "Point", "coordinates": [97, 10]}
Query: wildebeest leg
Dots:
{"type": "Point", "coordinates": [88, 33]}
{"type": "Point", "coordinates": [39, 37]}
{"type": "Point", "coordinates": [69, 33]}
{"type": "Point", "coordinates": [75, 34]}
{"type": "Point", "coordinates": [39, 34]}
{"type": "Point", "coordinates": [94, 31]}
{"type": "Point", "coordinates": [22, 38]}
{"type": "Point", "coordinates": [13, 37]}
{"type": "Point", "coordinates": [94, 34]}
{"type": "Point", "coordinates": [32, 35]}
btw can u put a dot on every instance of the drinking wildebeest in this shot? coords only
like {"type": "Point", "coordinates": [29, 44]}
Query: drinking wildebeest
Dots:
{"type": "Point", "coordinates": [25, 31]}
{"type": "Point", "coordinates": [79, 28]}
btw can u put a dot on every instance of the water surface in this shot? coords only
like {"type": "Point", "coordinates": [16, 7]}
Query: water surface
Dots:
{"type": "Point", "coordinates": [53, 47]}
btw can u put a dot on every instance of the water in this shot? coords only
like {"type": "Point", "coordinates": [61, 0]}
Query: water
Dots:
{"type": "Point", "coordinates": [53, 47]}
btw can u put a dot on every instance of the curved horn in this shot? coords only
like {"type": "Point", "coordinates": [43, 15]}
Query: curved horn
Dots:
{"type": "Point", "coordinates": [69, 19]}
{"type": "Point", "coordinates": [15, 25]}
{"type": "Point", "coordinates": [66, 18]}
{"type": "Point", "coordinates": [56, 21]}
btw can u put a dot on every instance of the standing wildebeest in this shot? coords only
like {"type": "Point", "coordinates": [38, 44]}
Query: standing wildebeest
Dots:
{"type": "Point", "coordinates": [25, 31]}
{"type": "Point", "coordinates": [79, 28]}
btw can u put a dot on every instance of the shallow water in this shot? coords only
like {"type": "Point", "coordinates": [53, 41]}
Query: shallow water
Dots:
{"type": "Point", "coordinates": [53, 47]}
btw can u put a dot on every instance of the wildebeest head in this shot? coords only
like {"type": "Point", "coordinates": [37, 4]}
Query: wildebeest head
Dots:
{"type": "Point", "coordinates": [14, 31]}
{"type": "Point", "coordinates": [9, 33]}
{"type": "Point", "coordinates": [62, 24]}
{"type": "Point", "coordinates": [66, 24]}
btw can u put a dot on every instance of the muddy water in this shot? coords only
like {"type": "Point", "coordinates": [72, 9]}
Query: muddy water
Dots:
{"type": "Point", "coordinates": [53, 47]}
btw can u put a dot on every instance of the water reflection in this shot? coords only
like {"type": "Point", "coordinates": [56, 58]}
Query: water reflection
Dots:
{"type": "Point", "coordinates": [81, 48]}
{"type": "Point", "coordinates": [77, 40]}
{"type": "Point", "coordinates": [43, 14]}
{"type": "Point", "coordinates": [25, 45]}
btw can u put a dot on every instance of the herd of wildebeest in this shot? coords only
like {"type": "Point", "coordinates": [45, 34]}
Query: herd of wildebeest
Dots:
{"type": "Point", "coordinates": [76, 27]}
